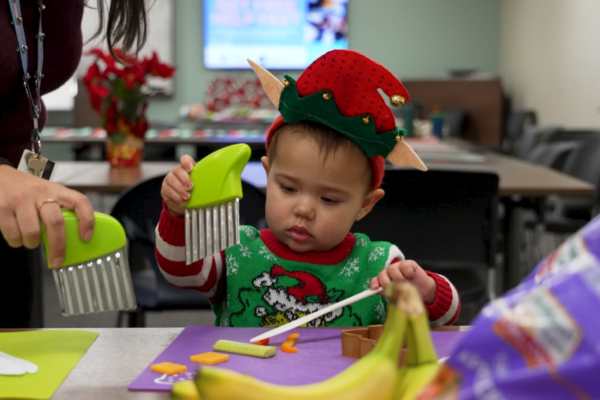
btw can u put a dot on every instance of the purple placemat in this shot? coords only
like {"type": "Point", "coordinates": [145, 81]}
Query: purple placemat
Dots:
{"type": "Point", "coordinates": [319, 356]}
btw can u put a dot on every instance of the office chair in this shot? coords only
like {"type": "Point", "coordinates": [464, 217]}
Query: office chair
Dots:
{"type": "Point", "coordinates": [138, 209]}
{"type": "Point", "coordinates": [552, 154]}
{"type": "Point", "coordinates": [455, 120]}
{"type": "Point", "coordinates": [444, 220]}
{"type": "Point", "coordinates": [533, 136]}
{"type": "Point", "coordinates": [516, 124]}
{"type": "Point", "coordinates": [574, 135]}
{"type": "Point", "coordinates": [569, 214]}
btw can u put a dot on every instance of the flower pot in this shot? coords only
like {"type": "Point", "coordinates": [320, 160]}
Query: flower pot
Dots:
{"type": "Point", "coordinates": [124, 150]}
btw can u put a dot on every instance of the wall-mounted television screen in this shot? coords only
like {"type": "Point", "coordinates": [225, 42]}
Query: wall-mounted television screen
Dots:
{"type": "Point", "coordinates": [278, 34]}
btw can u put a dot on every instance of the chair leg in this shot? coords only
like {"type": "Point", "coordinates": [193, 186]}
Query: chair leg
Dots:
{"type": "Point", "coordinates": [528, 252]}
{"type": "Point", "coordinates": [121, 316]}
{"type": "Point", "coordinates": [137, 318]}
{"type": "Point", "coordinates": [539, 240]}
{"type": "Point", "coordinates": [491, 284]}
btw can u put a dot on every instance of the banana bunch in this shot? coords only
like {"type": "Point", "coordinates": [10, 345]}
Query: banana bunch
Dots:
{"type": "Point", "coordinates": [421, 361]}
{"type": "Point", "coordinates": [184, 390]}
{"type": "Point", "coordinates": [375, 376]}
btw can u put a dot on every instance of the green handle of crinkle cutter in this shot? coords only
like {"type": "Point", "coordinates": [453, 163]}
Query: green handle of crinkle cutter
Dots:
{"type": "Point", "coordinates": [109, 236]}
{"type": "Point", "coordinates": [217, 178]}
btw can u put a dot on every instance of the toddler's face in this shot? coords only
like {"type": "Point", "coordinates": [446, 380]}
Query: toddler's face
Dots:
{"type": "Point", "coordinates": [311, 202]}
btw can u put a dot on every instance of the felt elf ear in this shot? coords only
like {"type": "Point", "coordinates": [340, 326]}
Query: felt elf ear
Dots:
{"type": "Point", "coordinates": [272, 85]}
{"type": "Point", "coordinates": [403, 155]}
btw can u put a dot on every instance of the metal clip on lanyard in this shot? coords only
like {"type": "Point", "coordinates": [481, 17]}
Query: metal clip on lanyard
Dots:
{"type": "Point", "coordinates": [34, 105]}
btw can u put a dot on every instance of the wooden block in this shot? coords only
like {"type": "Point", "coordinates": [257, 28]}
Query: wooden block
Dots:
{"type": "Point", "coordinates": [356, 343]}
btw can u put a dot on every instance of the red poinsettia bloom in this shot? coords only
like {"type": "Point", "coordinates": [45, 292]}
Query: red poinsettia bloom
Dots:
{"type": "Point", "coordinates": [107, 58]}
{"type": "Point", "coordinates": [119, 90]}
{"type": "Point", "coordinates": [133, 74]}
{"type": "Point", "coordinates": [156, 68]}
{"type": "Point", "coordinates": [97, 94]}
{"type": "Point", "coordinates": [94, 77]}
{"type": "Point", "coordinates": [127, 59]}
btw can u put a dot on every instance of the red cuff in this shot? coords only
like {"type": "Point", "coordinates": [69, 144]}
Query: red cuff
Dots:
{"type": "Point", "coordinates": [442, 303]}
{"type": "Point", "coordinates": [171, 227]}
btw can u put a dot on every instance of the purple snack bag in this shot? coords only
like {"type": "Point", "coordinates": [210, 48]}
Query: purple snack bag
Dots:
{"type": "Point", "coordinates": [541, 340]}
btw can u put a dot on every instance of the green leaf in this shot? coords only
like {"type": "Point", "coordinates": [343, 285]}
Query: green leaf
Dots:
{"type": "Point", "coordinates": [119, 88]}
{"type": "Point", "coordinates": [117, 137]}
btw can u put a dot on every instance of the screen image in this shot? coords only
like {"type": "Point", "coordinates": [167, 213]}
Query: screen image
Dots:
{"type": "Point", "coordinates": [277, 34]}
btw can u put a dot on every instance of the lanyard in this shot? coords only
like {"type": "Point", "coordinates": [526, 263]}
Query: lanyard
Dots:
{"type": "Point", "coordinates": [34, 105]}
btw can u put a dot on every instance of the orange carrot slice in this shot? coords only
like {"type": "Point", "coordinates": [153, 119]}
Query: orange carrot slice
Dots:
{"type": "Point", "coordinates": [168, 368]}
{"type": "Point", "coordinates": [288, 347]}
{"type": "Point", "coordinates": [263, 342]}
{"type": "Point", "coordinates": [293, 336]}
{"type": "Point", "coordinates": [209, 358]}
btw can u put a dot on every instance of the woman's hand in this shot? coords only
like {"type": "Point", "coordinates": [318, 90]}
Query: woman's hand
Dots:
{"type": "Point", "coordinates": [176, 186]}
{"type": "Point", "coordinates": [26, 199]}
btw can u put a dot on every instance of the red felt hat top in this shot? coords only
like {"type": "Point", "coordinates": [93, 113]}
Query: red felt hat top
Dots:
{"type": "Point", "coordinates": [354, 79]}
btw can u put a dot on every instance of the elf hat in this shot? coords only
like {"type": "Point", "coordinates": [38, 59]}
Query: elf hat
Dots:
{"type": "Point", "coordinates": [339, 90]}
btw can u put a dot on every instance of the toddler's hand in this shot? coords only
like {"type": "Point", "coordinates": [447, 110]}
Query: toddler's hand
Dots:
{"type": "Point", "coordinates": [407, 270]}
{"type": "Point", "coordinates": [176, 185]}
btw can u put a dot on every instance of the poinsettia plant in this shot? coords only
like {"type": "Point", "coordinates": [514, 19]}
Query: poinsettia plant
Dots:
{"type": "Point", "coordinates": [119, 91]}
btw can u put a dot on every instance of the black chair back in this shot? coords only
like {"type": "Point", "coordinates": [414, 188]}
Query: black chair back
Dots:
{"type": "Point", "coordinates": [574, 135]}
{"type": "Point", "coordinates": [455, 120]}
{"type": "Point", "coordinates": [444, 220]}
{"type": "Point", "coordinates": [516, 124]}
{"type": "Point", "coordinates": [437, 217]}
{"type": "Point", "coordinates": [138, 209]}
{"type": "Point", "coordinates": [532, 136]}
{"type": "Point", "coordinates": [552, 154]}
{"type": "Point", "coordinates": [584, 161]}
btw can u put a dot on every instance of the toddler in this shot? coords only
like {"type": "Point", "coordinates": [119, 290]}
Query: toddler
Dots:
{"type": "Point", "coordinates": [321, 177]}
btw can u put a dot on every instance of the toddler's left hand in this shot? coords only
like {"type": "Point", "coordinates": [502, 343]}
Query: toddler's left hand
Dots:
{"type": "Point", "coordinates": [407, 270]}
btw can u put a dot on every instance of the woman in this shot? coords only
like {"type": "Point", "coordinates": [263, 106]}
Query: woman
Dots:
{"type": "Point", "coordinates": [26, 199]}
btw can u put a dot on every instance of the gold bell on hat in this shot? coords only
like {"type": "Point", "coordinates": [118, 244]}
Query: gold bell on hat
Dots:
{"type": "Point", "coordinates": [397, 100]}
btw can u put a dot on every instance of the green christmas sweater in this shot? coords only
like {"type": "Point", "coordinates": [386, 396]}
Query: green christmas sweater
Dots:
{"type": "Point", "coordinates": [263, 289]}
{"type": "Point", "coordinates": [262, 282]}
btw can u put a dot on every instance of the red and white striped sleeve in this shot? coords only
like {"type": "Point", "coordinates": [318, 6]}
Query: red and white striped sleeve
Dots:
{"type": "Point", "coordinates": [446, 307]}
{"type": "Point", "coordinates": [206, 275]}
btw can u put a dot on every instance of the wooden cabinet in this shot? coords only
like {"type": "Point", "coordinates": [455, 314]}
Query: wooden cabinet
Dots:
{"type": "Point", "coordinates": [482, 99]}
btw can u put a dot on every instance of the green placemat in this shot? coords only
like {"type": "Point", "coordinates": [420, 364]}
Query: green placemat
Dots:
{"type": "Point", "coordinates": [55, 352]}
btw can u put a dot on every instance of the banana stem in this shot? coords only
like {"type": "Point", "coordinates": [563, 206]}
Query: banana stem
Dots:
{"type": "Point", "coordinates": [418, 327]}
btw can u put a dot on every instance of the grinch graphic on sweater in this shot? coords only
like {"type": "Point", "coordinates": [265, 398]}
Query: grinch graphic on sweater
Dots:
{"type": "Point", "coordinates": [271, 291]}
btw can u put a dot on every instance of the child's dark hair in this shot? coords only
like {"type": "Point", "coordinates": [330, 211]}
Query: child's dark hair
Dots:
{"type": "Point", "coordinates": [328, 140]}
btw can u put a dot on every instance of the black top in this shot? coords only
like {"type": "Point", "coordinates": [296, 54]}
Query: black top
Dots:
{"type": "Point", "coordinates": [62, 51]}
